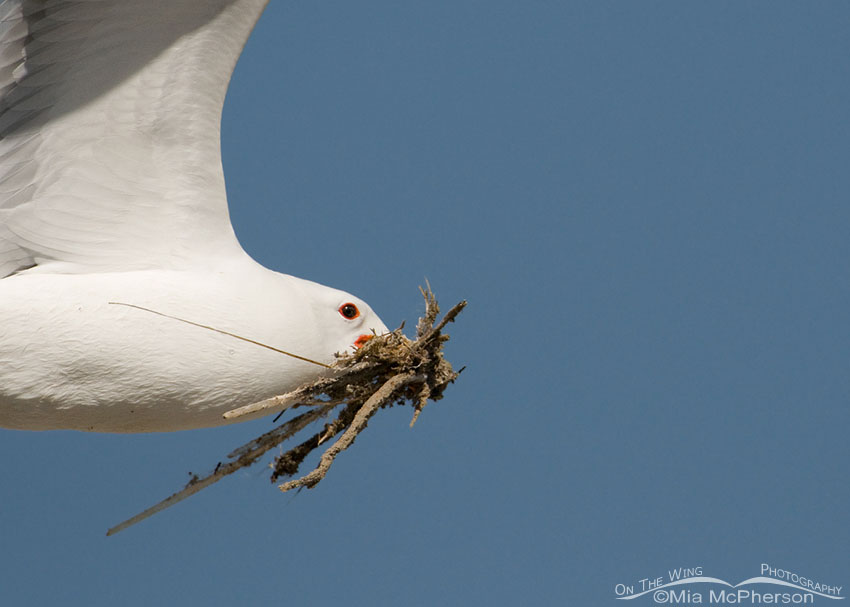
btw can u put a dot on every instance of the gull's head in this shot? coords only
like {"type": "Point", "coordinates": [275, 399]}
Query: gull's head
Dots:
{"type": "Point", "coordinates": [346, 321]}
{"type": "Point", "coordinates": [358, 321]}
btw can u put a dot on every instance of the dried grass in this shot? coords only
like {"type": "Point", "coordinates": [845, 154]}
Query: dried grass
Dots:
{"type": "Point", "coordinates": [388, 370]}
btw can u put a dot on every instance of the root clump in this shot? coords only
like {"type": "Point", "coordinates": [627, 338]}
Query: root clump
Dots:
{"type": "Point", "coordinates": [388, 370]}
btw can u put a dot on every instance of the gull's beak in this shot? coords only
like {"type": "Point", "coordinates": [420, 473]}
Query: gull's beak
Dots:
{"type": "Point", "coordinates": [361, 341]}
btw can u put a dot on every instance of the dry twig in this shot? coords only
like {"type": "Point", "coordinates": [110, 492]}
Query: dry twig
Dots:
{"type": "Point", "coordinates": [388, 370]}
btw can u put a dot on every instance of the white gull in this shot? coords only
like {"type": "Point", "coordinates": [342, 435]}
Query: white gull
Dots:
{"type": "Point", "coordinates": [112, 192]}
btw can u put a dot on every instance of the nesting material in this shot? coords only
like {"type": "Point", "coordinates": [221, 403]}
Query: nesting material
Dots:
{"type": "Point", "coordinates": [388, 370]}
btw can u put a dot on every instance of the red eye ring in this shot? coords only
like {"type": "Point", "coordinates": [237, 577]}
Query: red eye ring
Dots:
{"type": "Point", "coordinates": [349, 311]}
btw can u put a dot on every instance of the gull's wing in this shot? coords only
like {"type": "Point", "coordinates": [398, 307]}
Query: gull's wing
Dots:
{"type": "Point", "coordinates": [109, 132]}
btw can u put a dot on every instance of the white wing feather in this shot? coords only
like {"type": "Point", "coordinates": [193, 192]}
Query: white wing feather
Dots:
{"type": "Point", "coordinates": [109, 132]}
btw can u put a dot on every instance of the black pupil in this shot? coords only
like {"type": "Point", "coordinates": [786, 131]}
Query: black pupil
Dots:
{"type": "Point", "coordinates": [349, 311]}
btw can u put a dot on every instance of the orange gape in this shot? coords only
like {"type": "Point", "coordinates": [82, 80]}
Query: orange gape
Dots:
{"type": "Point", "coordinates": [360, 341]}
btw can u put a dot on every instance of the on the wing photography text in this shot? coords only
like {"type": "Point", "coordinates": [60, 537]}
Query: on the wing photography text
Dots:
{"type": "Point", "coordinates": [691, 586]}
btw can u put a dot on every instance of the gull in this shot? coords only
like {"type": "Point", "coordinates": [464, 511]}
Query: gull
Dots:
{"type": "Point", "coordinates": [126, 301]}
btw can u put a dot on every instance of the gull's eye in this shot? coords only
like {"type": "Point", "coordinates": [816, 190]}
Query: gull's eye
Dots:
{"type": "Point", "coordinates": [349, 311]}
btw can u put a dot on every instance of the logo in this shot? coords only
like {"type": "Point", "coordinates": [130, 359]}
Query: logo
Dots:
{"type": "Point", "coordinates": [690, 586]}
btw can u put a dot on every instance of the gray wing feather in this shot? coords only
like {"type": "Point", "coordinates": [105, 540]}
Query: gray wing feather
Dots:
{"type": "Point", "coordinates": [109, 131]}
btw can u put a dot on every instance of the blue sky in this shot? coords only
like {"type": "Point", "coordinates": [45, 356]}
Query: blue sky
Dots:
{"type": "Point", "coordinates": [646, 205]}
